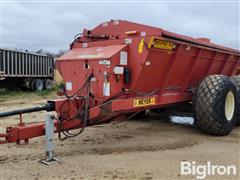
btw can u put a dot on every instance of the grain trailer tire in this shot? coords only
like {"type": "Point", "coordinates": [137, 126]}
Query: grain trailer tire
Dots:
{"type": "Point", "coordinates": [48, 84]}
{"type": "Point", "coordinates": [32, 84]}
{"type": "Point", "coordinates": [215, 105]}
{"type": "Point", "coordinates": [39, 85]}
{"type": "Point", "coordinates": [236, 79]}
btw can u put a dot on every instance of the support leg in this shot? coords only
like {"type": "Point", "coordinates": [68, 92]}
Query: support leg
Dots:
{"type": "Point", "coordinates": [49, 134]}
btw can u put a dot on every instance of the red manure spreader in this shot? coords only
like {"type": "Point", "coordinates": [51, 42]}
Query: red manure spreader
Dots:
{"type": "Point", "coordinates": [122, 68]}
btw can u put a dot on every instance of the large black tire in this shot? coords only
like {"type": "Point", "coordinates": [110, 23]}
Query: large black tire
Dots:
{"type": "Point", "coordinates": [48, 84]}
{"type": "Point", "coordinates": [215, 105]}
{"type": "Point", "coordinates": [32, 84]}
{"type": "Point", "coordinates": [236, 79]}
{"type": "Point", "coordinates": [39, 85]}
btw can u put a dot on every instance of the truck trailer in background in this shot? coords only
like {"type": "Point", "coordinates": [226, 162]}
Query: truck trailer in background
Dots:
{"type": "Point", "coordinates": [25, 70]}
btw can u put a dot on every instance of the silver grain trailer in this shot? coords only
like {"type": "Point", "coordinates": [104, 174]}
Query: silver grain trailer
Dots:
{"type": "Point", "coordinates": [24, 69]}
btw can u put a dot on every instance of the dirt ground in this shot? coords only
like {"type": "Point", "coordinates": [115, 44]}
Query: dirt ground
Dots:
{"type": "Point", "coordinates": [147, 148]}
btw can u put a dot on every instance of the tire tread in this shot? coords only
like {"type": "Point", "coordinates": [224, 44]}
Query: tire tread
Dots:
{"type": "Point", "coordinates": [208, 101]}
{"type": "Point", "coordinates": [236, 79]}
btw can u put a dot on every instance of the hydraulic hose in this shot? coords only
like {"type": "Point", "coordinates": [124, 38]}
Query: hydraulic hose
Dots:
{"type": "Point", "coordinates": [84, 111]}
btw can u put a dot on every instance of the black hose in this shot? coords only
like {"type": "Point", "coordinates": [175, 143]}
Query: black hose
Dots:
{"type": "Point", "coordinates": [84, 108]}
{"type": "Point", "coordinates": [81, 88]}
{"type": "Point", "coordinates": [76, 37]}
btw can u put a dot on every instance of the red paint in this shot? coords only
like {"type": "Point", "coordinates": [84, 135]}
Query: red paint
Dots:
{"type": "Point", "coordinates": [170, 74]}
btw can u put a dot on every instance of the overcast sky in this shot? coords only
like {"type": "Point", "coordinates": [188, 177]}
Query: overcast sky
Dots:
{"type": "Point", "coordinates": [52, 26]}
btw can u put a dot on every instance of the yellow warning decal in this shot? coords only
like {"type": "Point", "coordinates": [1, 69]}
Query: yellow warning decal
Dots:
{"type": "Point", "coordinates": [160, 44]}
{"type": "Point", "coordinates": [151, 42]}
{"type": "Point", "coordinates": [144, 102]}
{"type": "Point", "coordinates": [140, 46]}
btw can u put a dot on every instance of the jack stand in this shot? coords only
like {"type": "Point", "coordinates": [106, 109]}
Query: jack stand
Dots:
{"type": "Point", "coordinates": [49, 134]}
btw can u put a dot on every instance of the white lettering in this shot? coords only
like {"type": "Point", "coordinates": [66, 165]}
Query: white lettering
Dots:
{"type": "Point", "coordinates": [185, 168]}
{"type": "Point", "coordinates": [201, 171]}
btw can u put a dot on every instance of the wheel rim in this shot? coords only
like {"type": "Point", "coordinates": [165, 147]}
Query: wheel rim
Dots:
{"type": "Point", "coordinates": [229, 106]}
{"type": "Point", "coordinates": [39, 85]}
{"type": "Point", "coordinates": [48, 85]}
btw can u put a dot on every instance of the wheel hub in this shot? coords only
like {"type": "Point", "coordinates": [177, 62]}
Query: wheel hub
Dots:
{"type": "Point", "coordinates": [229, 106]}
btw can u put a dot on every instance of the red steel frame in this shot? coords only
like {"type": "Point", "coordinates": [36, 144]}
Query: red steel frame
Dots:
{"type": "Point", "coordinates": [171, 73]}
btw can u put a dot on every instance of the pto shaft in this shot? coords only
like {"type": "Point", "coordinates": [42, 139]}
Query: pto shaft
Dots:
{"type": "Point", "coordinates": [47, 107]}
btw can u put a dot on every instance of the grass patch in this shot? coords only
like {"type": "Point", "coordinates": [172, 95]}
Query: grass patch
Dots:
{"type": "Point", "coordinates": [45, 93]}
{"type": "Point", "coordinates": [6, 94]}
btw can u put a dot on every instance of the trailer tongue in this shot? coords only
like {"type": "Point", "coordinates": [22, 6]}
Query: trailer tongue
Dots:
{"type": "Point", "coordinates": [120, 67]}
